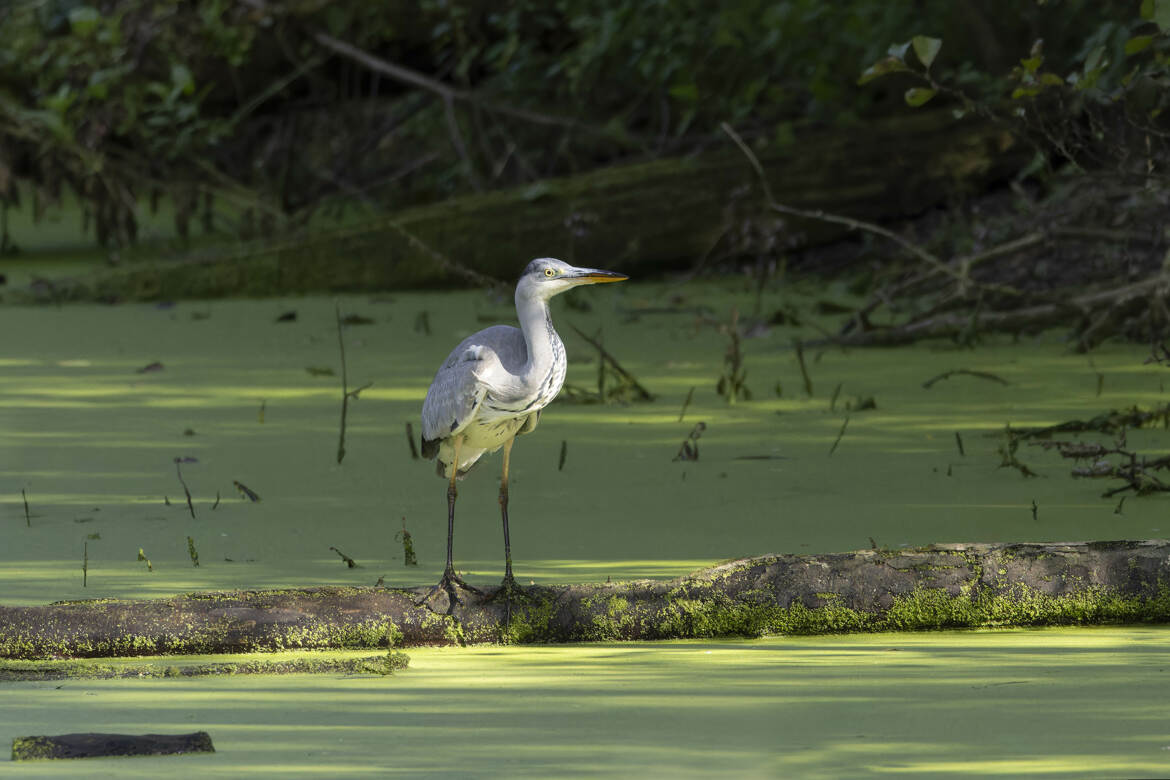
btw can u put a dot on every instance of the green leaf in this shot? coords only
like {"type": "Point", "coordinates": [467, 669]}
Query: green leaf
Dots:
{"type": "Point", "coordinates": [182, 79]}
{"type": "Point", "coordinates": [1051, 80]}
{"type": "Point", "coordinates": [1158, 12]}
{"type": "Point", "coordinates": [898, 50]}
{"type": "Point", "coordinates": [1020, 92]}
{"type": "Point", "coordinates": [1138, 43]}
{"type": "Point", "coordinates": [83, 19]}
{"type": "Point", "coordinates": [1032, 64]}
{"type": "Point", "coordinates": [926, 48]}
{"type": "Point", "coordinates": [687, 93]}
{"type": "Point", "coordinates": [919, 96]}
{"type": "Point", "coordinates": [1096, 61]}
{"type": "Point", "coordinates": [881, 68]}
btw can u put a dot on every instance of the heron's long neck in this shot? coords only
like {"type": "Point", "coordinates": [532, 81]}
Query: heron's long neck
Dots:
{"type": "Point", "coordinates": [545, 349]}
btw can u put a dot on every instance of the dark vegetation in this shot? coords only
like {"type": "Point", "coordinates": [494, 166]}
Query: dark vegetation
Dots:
{"type": "Point", "coordinates": [271, 119]}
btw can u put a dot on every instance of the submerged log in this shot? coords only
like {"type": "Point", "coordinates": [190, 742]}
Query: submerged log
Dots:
{"type": "Point", "coordinates": [107, 745]}
{"type": "Point", "coordinates": [640, 217]}
{"type": "Point", "coordinates": [940, 586]}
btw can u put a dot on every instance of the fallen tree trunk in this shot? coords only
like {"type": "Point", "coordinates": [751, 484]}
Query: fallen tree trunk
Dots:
{"type": "Point", "coordinates": [941, 586]}
{"type": "Point", "coordinates": [641, 217]}
{"type": "Point", "coordinates": [107, 745]}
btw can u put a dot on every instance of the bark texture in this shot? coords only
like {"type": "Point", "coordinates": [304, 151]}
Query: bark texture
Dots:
{"type": "Point", "coordinates": [941, 586]}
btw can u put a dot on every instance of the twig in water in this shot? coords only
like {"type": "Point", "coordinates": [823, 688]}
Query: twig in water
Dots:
{"type": "Point", "coordinates": [731, 383]}
{"type": "Point", "coordinates": [344, 386]}
{"type": "Point", "coordinates": [957, 371]}
{"type": "Point", "coordinates": [1106, 422]}
{"type": "Point", "coordinates": [422, 323]}
{"type": "Point", "coordinates": [600, 372]}
{"type": "Point", "coordinates": [686, 403]}
{"type": "Point", "coordinates": [350, 562]}
{"type": "Point", "coordinates": [246, 491]}
{"type": "Point", "coordinates": [1007, 452]}
{"type": "Point", "coordinates": [191, 551]}
{"type": "Point", "coordinates": [263, 403]}
{"type": "Point", "coordinates": [628, 380]}
{"type": "Point", "coordinates": [564, 454]}
{"type": "Point", "coordinates": [216, 504]}
{"type": "Point", "coordinates": [142, 557]}
{"type": "Point", "coordinates": [833, 400]}
{"type": "Point", "coordinates": [408, 556]}
{"type": "Point", "coordinates": [179, 471]}
{"type": "Point", "coordinates": [959, 441]}
{"type": "Point", "coordinates": [27, 518]}
{"type": "Point", "coordinates": [1158, 354]}
{"type": "Point", "coordinates": [85, 565]}
{"type": "Point", "coordinates": [690, 446]}
{"type": "Point", "coordinates": [808, 386]}
{"type": "Point", "coordinates": [1035, 509]}
{"type": "Point", "coordinates": [410, 441]}
{"type": "Point", "coordinates": [840, 433]}
{"type": "Point", "coordinates": [1120, 504]}
{"type": "Point", "coordinates": [346, 393]}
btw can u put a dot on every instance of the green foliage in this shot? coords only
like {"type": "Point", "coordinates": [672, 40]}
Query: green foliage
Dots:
{"type": "Point", "coordinates": [1089, 108]}
{"type": "Point", "coordinates": [120, 99]}
{"type": "Point", "coordinates": [105, 99]}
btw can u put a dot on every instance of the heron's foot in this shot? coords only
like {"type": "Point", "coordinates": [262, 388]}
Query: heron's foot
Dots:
{"type": "Point", "coordinates": [509, 591]}
{"type": "Point", "coordinates": [451, 584]}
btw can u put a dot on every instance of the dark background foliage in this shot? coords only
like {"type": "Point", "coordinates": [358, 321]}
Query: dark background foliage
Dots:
{"type": "Point", "coordinates": [248, 116]}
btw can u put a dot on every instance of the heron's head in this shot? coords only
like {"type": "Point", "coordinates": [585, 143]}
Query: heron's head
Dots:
{"type": "Point", "coordinates": [547, 276]}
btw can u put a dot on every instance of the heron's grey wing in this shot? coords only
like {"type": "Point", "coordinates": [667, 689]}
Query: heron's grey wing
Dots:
{"type": "Point", "coordinates": [454, 395]}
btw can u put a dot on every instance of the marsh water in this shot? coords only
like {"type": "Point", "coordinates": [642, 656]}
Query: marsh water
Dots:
{"type": "Point", "coordinates": [99, 401]}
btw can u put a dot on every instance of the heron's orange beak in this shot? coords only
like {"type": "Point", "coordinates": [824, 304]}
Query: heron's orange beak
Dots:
{"type": "Point", "coordinates": [595, 276]}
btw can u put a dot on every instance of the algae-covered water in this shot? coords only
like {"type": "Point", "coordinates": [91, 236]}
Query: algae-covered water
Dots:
{"type": "Point", "coordinates": [1036, 703]}
{"type": "Point", "coordinates": [91, 438]}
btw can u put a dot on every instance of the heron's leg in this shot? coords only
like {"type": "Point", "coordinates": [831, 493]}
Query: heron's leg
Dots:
{"type": "Point", "coordinates": [449, 572]}
{"type": "Point", "coordinates": [450, 579]}
{"type": "Point", "coordinates": [508, 586]}
{"type": "Point", "coordinates": [504, 513]}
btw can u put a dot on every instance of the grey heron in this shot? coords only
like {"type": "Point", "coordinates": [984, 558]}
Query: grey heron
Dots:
{"type": "Point", "coordinates": [491, 389]}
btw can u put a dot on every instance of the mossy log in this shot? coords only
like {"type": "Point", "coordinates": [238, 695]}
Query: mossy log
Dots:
{"type": "Point", "coordinates": [108, 745]}
{"type": "Point", "coordinates": [641, 217]}
{"type": "Point", "coordinates": [941, 586]}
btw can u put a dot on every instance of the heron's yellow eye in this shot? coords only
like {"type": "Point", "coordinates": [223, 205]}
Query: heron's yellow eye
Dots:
{"type": "Point", "coordinates": [549, 272]}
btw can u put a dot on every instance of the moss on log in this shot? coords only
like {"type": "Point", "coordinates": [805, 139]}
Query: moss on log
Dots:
{"type": "Point", "coordinates": [637, 217]}
{"type": "Point", "coordinates": [109, 745]}
{"type": "Point", "coordinates": [941, 586]}
{"type": "Point", "coordinates": [26, 671]}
